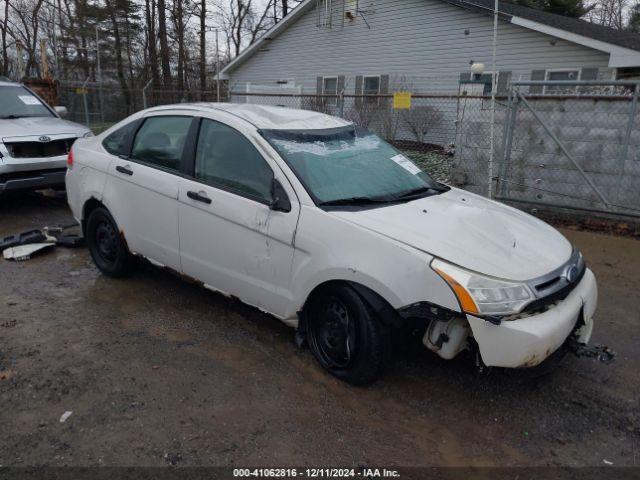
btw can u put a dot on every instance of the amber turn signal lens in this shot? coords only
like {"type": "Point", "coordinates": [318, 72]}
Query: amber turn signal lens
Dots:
{"type": "Point", "coordinates": [466, 302]}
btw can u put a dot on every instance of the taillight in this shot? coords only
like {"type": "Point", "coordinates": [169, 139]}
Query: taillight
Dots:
{"type": "Point", "coordinates": [70, 159]}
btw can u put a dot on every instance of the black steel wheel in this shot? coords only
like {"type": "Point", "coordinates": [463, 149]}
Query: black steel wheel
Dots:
{"type": "Point", "coordinates": [107, 248]}
{"type": "Point", "coordinates": [344, 335]}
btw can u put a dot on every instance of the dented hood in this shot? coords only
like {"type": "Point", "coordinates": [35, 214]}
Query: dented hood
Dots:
{"type": "Point", "coordinates": [470, 231]}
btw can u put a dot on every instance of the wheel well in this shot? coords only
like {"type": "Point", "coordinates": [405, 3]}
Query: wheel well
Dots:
{"type": "Point", "coordinates": [89, 206]}
{"type": "Point", "coordinates": [375, 301]}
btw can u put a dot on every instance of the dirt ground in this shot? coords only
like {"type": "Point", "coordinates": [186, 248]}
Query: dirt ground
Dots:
{"type": "Point", "coordinates": [158, 371]}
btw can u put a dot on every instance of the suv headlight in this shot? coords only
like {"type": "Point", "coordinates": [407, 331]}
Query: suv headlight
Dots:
{"type": "Point", "coordinates": [482, 295]}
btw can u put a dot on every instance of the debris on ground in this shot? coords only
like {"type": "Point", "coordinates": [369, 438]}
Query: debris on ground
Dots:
{"type": "Point", "coordinates": [23, 246]}
{"type": "Point", "coordinates": [599, 352]}
{"type": "Point", "coordinates": [21, 253]}
{"type": "Point", "coordinates": [65, 416]}
{"type": "Point", "coordinates": [6, 374]}
{"type": "Point", "coordinates": [24, 238]}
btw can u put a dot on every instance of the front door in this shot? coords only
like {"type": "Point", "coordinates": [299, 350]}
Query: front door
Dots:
{"type": "Point", "coordinates": [142, 189]}
{"type": "Point", "coordinates": [229, 236]}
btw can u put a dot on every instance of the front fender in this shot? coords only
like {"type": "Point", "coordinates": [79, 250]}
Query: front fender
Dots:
{"type": "Point", "coordinates": [398, 273]}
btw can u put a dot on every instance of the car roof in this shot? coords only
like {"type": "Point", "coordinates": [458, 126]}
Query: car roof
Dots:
{"type": "Point", "coordinates": [9, 84]}
{"type": "Point", "coordinates": [266, 117]}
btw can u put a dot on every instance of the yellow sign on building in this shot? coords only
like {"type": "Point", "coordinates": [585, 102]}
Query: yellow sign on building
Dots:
{"type": "Point", "coordinates": [401, 100]}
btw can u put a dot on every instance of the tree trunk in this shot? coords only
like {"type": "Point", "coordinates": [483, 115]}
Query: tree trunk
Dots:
{"type": "Point", "coordinates": [5, 55]}
{"type": "Point", "coordinates": [203, 59]}
{"type": "Point", "coordinates": [119, 63]}
{"type": "Point", "coordinates": [151, 36]}
{"type": "Point", "coordinates": [164, 47]}
{"type": "Point", "coordinates": [179, 23]}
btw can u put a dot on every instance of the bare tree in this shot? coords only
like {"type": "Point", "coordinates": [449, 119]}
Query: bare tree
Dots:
{"type": "Point", "coordinates": [419, 120]}
{"type": "Point", "coordinates": [24, 26]}
{"type": "Point", "coordinates": [5, 30]}
{"type": "Point", "coordinates": [610, 13]}
{"type": "Point", "coordinates": [164, 44]}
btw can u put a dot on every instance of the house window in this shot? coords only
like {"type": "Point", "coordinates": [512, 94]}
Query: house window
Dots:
{"type": "Point", "coordinates": [561, 75]}
{"type": "Point", "coordinates": [330, 87]}
{"type": "Point", "coordinates": [371, 86]}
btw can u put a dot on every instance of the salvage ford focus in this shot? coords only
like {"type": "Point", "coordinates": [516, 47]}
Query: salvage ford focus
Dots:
{"type": "Point", "coordinates": [330, 229]}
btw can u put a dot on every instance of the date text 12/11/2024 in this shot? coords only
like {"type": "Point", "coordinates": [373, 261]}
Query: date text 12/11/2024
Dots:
{"type": "Point", "coordinates": [315, 473]}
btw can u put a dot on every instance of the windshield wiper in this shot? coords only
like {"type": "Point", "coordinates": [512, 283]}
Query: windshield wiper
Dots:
{"type": "Point", "coordinates": [420, 190]}
{"type": "Point", "coordinates": [353, 201]}
{"type": "Point", "coordinates": [11, 117]}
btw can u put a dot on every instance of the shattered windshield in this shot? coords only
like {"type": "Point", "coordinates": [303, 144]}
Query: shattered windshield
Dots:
{"type": "Point", "coordinates": [18, 102]}
{"type": "Point", "coordinates": [350, 165]}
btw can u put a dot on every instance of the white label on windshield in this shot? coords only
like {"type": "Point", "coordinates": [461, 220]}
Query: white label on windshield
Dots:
{"type": "Point", "coordinates": [29, 100]}
{"type": "Point", "coordinates": [405, 163]}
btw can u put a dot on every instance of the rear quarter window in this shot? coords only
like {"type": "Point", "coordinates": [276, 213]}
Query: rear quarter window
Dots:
{"type": "Point", "coordinates": [117, 142]}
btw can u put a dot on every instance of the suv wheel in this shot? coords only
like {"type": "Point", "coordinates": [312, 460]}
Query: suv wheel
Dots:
{"type": "Point", "coordinates": [106, 245]}
{"type": "Point", "coordinates": [346, 338]}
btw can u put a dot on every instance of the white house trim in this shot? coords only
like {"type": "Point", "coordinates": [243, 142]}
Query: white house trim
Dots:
{"type": "Point", "coordinates": [618, 56]}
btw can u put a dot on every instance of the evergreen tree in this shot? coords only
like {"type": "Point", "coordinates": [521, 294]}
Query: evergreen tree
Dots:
{"type": "Point", "coordinates": [634, 19]}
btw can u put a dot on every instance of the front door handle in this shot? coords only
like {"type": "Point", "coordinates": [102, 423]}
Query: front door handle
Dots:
{"type": "Point", "coordinates": [198, 197]}
{"type": "Point", "coordinates": [125, 170]}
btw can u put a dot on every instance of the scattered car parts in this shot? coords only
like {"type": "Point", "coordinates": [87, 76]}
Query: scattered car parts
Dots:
{"type": "Point", "coordinates": [25, 245]}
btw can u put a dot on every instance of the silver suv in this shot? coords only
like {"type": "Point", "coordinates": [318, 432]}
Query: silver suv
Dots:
{"type": "Point", "coordinates": [34, 140]}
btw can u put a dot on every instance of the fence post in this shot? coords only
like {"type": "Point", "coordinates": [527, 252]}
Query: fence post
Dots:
{"type": "Point", "coordinates": [507, 144]}
{"type": "Point", "coordinates": [144, 94]}
{"type": "Point", "coordinates": [86, 104]}
{"type": "Point", "coordinates": [633, 108]}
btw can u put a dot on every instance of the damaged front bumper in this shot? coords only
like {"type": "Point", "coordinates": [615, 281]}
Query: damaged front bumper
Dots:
{"type": "Point", "coordinates": [526, 342]}
{"type": "Point", "coordinates": [32, 174]}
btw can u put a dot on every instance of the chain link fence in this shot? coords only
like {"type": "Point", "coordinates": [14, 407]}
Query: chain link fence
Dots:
{"type": "Point", "coordinates": [100, 105]}
{"type": "Point", "coordinates": [567, 144]}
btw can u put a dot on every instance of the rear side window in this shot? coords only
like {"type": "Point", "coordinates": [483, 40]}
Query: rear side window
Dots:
{"type": "Point", "coordinates": [225, 158]}
{"type": "Point", "coordinates": [160, 141]}
{"type": "Point", "coordinates": [116, 143]}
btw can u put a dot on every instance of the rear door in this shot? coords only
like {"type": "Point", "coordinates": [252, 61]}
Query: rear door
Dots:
{"type": "Point", "coordinates": [230, 238]}
{"type": "Point", "coordinates": [142, 188]}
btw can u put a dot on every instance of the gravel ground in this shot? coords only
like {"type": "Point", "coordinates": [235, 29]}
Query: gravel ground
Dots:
{"type": "Point", "coordinates": [157, 371]}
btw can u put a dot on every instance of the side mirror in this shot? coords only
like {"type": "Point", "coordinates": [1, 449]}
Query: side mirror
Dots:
{"type": "Point", "coordinates": [279, 199]}
{"type": "Point", "coordinates": [62, 111]}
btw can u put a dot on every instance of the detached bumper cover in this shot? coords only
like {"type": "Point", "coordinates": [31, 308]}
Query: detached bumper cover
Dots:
{"type": "Point", "coordinates": [528, 341]}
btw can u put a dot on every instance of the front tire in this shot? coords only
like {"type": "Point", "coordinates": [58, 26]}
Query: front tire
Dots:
{"type": "Point", "coordinates": [106, 245]}
{"type": "Point", "coordinates": [345, 336]}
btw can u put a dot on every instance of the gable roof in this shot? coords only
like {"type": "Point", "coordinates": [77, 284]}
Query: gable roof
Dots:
{"type": "Point", "coordinates": [623, 46]}
{"type": "Point", "coordinates": [574, 25]}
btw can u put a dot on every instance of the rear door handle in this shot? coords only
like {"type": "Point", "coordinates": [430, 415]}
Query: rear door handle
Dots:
{"type": "Point", "coordinates": [198, 198]}
{"type": "Point", "coordinates": [125, 170]}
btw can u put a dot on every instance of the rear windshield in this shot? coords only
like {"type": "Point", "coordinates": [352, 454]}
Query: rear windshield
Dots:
{"type": "Point", "coordinates": [17, 102]}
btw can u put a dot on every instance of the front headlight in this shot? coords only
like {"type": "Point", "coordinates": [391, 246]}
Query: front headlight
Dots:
{"type": "Point", "coordinates": [482, 295]}
{"type": "Point", "coordinates": [88, 134]}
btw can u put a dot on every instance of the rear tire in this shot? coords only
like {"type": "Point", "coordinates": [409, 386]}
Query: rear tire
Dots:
{"type": "Point", "coordinates": [345, 336]}
{"type": "Point", "coordinates": [106, 245]}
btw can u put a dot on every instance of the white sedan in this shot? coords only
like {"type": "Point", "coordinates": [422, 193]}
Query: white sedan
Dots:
{"type": "Point", "coordinates": [330, 229]}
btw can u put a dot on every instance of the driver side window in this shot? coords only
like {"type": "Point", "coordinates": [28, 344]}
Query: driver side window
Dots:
{"type": "Point", "coordinates": [225, 158]}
